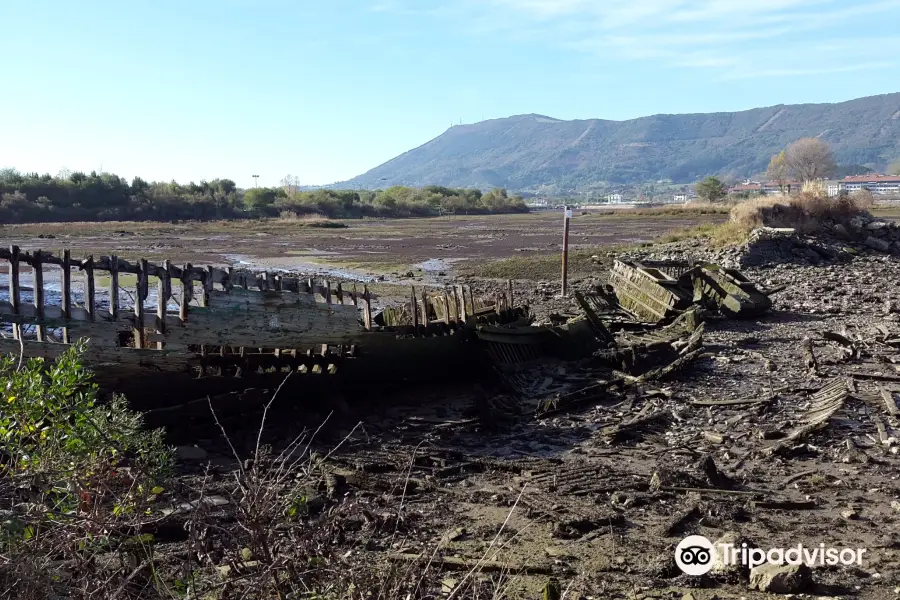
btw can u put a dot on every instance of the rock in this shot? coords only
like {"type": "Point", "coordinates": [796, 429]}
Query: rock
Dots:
{"type": "Point", "coordinates": [780, 579]}
{"type": "Point", "coordinates": [877, 244]}
{"type": "Point", "coordinates": [190, 453]}
{"type": "Point", "coordinates": [841, 231]}
{"type": "Point", "coordinates": [728, 571]}
{"type": "Point", "coordinates": [850, 514]}
{"type": "Point", "coordinates": [895, 505]}
{"type": "Point", "coordinates": [876, 225]}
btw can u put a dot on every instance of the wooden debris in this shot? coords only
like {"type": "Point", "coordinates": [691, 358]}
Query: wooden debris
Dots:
{"type": "Point", "coordinates": [823, 405]}
{"type": "Point", "coordinates": [809, 356]}
{"type": "Point", "coordinates": [453, 563]}
{"type": "Point", "coordinates": [890, 404]}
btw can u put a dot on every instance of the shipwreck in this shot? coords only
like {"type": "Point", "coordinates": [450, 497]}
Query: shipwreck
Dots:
{"type": "Point", "coordinates": [191, 330]}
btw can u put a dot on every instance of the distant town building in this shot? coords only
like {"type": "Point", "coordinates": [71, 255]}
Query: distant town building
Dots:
{"type": "Point", "coordinates": [680, 198]}
{"type": "Point", "coordinates": [614, 198]}
{"type": "Point", "coordinates": [766, 187]}
{"type": "Point", "coordinates": [875, 183]}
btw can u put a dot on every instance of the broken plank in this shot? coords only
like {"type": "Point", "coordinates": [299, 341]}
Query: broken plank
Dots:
{"type": "Point", "coordinates": [464, 564]}
{"type": "Point", "coordinates": [890, 404]}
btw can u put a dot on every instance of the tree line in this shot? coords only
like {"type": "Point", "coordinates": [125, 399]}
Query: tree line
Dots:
{"type": "Point", "coordinates": [33, 198]}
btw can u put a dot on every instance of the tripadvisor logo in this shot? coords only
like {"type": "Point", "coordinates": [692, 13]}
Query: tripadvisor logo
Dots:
{"type": "Point", "coordinates": [696, 555]}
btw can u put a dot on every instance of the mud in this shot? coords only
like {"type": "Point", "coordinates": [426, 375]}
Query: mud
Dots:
{"type": "Point", "coordinates": [600, 496]}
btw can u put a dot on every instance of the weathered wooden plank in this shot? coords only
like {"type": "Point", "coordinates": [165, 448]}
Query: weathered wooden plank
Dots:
{"type": "Point", "coordinates": [66, 291]}
{"type": "Point", "coordinates": [163, 293]}
{"type": "Point", "coordinates": [460, 301]}
{"type": "Point", "coordinates": [87, 266]}
{"type": "Point", "coordinates": [37, 279]}
{"type": "Point", "coordinates": [114, 286]}
{"type": "Point", "coordinates": [139, 305]}
{"type": "Point", "coordinates": [187, 289]}
{"type": "Point", "coordinates": [250, 325]}
{"type": "Point", "coordinates": [367, 308]}
{"type": "Point", "coordinates": [415, 308]}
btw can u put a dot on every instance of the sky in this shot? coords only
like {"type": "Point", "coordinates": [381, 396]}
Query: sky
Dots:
{"type": "Point", "coordinates": [324, 90]}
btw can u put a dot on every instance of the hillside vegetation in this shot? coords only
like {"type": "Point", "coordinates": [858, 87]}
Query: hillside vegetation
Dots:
{"type": "Point", "coordinates": [538, 153]}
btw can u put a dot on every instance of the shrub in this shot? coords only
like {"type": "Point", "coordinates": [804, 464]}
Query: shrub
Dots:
{"type": "Point", "coordinates": [805, 211]}
{"type": "Point", "coordinates": [89, 469]}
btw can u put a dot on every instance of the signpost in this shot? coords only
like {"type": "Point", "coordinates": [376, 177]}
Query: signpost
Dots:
{"type": "Point", "coordinates": [565, 253]}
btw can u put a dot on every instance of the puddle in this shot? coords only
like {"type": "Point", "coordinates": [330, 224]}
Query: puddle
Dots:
{"type": "Point", "coordinates": [295, 265]}
{"type": "Point", "coordinates": [437, 265]}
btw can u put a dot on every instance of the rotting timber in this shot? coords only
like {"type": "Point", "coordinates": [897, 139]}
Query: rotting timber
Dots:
{"type": "Point", "coordinates": [206, 330]}
{"type": "Point", "coordinates": [659, 292]}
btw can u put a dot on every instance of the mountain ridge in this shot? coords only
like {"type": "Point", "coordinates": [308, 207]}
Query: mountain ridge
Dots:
{"type": "Point", "coordinates": [534, 152]}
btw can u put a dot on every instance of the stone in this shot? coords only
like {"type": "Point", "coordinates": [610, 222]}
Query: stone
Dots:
{"type": "Point", "coordinates": [190, 453]}
{"type": "Point", "coordinates": [878, 244]}
{"type": "Point", "coordinates": [780, 579]}
{"type": "Point", "coordinates": [895, 505]}
{"type": "Point", "coordinates": [841, 231]}
{"type": "Point", "coordinates": [876, 225]}
{"type": "Point", "coordinates": [728, 571]}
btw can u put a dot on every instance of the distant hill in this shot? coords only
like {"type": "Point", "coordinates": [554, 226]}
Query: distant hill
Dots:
{"type": "Point", "coordinates": [534, 152]}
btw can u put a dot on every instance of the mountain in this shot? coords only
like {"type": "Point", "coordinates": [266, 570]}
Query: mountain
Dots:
{"type": "Point", "coordinates": [535, 152]}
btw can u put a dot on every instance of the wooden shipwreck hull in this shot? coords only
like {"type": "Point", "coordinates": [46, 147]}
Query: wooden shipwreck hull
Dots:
{"type": "Point", "coordinates": [656, 292]}
{"type": "Point", "coordinates": [648, 292]}
{"type": "Point", "coordinates": [197, 329]}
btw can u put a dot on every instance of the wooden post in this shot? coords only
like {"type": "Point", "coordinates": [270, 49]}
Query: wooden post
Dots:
{"type": "Point", "coordinates": [37, 280]}
{"type": "Point", "coordinates": [209, 285]}
{"type": "Point", "coordinates": [415, 307]}
{"type": "Point", "coordinates": [187, 292]}
{"type": "Point", "coordinates": [355, 294]}
{"type": "Point", "coordinates": [367, 307]}
{"type": "Point", "coordinates": [163, 292]}
{"type": "Point", "coordinates": [426, 319]}
{"type": "Point", "coordinates": [461, 302]}
{"type": "Point", "coordinates": [229, 273]}
{"type": "Point", "coordinates": [114, 287]}
{"type": "Point", "coordinates": [327, 292]}
{"type": "Point", "coordinates": [139, 304]}
{"type": "Point", "coordinates": [279, 283]}
{"type": "Point", "coordinates": [87, 265]}
{"type": "Point", "coordinates": [66, 292]}
{"type": "Point", "coordinates": [14, 291]}
{"type": "Point", "coordinates": [497, 307]}
{"type": "Point", "coordinates": [340, 293]}
{"type": "Point", "coordinates": [509, 292]}
{"type": "Point", "coordinates": [565, 253]}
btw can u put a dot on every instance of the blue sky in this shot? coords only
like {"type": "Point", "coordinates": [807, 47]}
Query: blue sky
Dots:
{"type": "Point", "coordinates": [325, 90]}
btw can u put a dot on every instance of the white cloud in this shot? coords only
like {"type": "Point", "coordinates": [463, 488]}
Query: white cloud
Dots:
{"type": "Point", "coordinates": [730, 38]}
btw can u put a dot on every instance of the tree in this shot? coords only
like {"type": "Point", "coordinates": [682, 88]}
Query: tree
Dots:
{"type": "Point", "coordinates": [711, 189]}
{"type": "Point", "coordinates": [778, 169]}
{"type": "Point", "coordinates": [894, 167]}
{"type": "Point", "coordinates": [809, 159]}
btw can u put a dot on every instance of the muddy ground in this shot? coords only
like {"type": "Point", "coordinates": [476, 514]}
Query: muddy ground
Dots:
{"type": "Point", "coordinates": [423, 472]}
{"type": "Point", "coordinates": [363, 249]}
{"type": "Point", "coordinates": [568, 500]}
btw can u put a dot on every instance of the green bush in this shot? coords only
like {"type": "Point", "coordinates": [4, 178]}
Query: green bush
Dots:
{"type": "Point", "coordinates": [76, 454]}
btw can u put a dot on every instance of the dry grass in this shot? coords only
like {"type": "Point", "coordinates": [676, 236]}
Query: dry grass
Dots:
{"type": "Point", "coordinates": [805, 212]}
{"type": "Point", "coordinates": [681, 210]}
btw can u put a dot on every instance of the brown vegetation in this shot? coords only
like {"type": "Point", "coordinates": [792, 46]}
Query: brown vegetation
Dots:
{"type": "Point", "coordinates": [805, 211]}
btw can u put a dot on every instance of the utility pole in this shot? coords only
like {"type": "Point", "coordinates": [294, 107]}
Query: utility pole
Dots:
{"type": "Point", "coordinates": [256, 181]}
{"type": "Point", "coordinates": [565, 251]}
